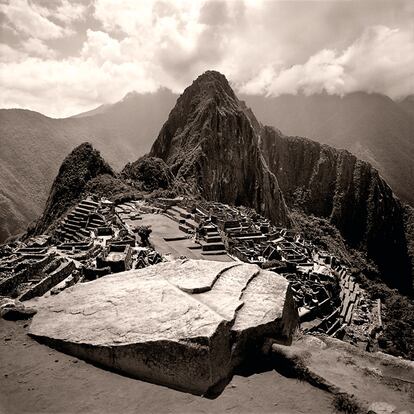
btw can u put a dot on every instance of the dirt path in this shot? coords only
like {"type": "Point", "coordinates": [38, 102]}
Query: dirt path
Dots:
{"type": "Point", "coordinates": [38, 379]}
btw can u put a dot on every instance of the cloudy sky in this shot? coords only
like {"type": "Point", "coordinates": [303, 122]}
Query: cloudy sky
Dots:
{"type": "Point", "coordinates": [61, 57]}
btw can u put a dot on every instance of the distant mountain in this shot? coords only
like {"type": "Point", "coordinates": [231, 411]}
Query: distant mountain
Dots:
{"type": "Point", "coordinates": [408, 104]}
{"type": "Point", "coordinates": [33, 146]}
{"type": "Point", "coordinates": [371, 126]}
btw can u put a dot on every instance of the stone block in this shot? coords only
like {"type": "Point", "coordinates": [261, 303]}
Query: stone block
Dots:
{"type": "Point", "coordinates": [184, 324]}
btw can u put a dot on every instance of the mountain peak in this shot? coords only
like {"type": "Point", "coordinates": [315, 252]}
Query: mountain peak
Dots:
{"type": "Point", "coordinates": [211, 87]}
{"type": "Point", "coordinates": [135, 95]}
{"type": "Point", "coordinates": [80, 166]}
{"type": "Point", "coordinates": [213, 80]}
{"type": "Point", "coordinates": [211, 145]}
{"type": "Point", "coordinates": [87, 157]}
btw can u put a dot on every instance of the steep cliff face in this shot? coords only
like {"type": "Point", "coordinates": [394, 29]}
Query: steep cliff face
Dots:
{"type": "Point", "coordinates": [369, 125]}
{"type": "Point", "coordinates": [334, 184]}
{"type": "Point", "coordinates": [210, 143]}
{"type": "Point", "coordinates": [82, 165]}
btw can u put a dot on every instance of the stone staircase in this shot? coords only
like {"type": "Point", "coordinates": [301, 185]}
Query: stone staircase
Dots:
{"type": "Point", "coordinates": [80, 221]}
{"type": "Point", "coordinates": [185, 220]}
{"type": "Point", "coordinates": [212, 243]}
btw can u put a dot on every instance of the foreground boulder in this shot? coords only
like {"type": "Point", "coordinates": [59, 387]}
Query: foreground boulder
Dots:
{"type": "Point", "coordinates": [183, 324]}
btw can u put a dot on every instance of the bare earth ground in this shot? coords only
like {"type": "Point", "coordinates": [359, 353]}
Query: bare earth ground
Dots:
{"type": "Point", "coordinates": [37, 379]}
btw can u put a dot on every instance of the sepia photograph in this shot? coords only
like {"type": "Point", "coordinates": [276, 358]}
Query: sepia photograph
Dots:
{"type": "Point", "coordinates": [206, 206]}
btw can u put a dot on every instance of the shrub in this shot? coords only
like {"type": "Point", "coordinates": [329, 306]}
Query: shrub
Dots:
{"type": "Point", "coordinates": [149, 172]}
{"type": "Point", "coordinates": [346, 403]}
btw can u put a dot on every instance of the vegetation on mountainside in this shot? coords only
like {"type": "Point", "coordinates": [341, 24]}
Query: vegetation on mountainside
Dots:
{"type": "Point", "coordinates": [79, 167]}
{"type": "Point", "coordinates": [113, 188]}
{"type": "Point", "coordinates": [327, 237]}
{"type": "Point", "coordinates": [409, 232]}
{"type": "Point", "coordinates": [148, 173]}
{"type": "Point", "coordinates": [346, 404]}
{"type": "Point", "coordinates": [397, 337]}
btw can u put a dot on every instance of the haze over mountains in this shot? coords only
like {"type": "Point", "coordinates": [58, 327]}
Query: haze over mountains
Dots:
{"type": "Point", "coordinates": [372, 126]}
{"type": "Point", "coordinates": [33, 146]}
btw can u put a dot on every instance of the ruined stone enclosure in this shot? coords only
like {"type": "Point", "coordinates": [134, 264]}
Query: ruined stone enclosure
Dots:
{"type": "Point", "coordinates": [183, 324]}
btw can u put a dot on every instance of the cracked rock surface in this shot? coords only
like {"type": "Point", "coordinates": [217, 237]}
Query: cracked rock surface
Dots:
{"type": "Point", "coordinates": [183, 324]}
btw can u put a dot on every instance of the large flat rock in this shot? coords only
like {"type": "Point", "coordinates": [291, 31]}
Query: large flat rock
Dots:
{"type": "Point", "coordinates": [184, 324]}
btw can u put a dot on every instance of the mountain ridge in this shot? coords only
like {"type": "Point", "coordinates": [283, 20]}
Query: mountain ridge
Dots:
{"type": "Point", "coordinates": [371, 126]}
{"type": "Point", "coordinates": [334, 184]}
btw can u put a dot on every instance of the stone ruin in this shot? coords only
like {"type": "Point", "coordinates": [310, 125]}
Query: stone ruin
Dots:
{"type": "Point", "coordinates": [239, 303]}
{"type": "Point", "coordinates": [89, 242]}
{"type": "Point", "coordinates": [27, 272]}
{"type": "Point", "coordinates": [329, 301]}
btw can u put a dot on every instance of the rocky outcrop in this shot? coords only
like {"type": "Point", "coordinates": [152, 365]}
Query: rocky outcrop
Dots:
{"type": "Point", "coordinates": [362, 382]}
{"type": "Point", "coordinates": [334, 184]}
{"type": "Point", "coordinates": [184, 324]}
{"type": "Point", "coordinates": [82, 165]}
{"type": "Point", "coordinates": [211, 145]}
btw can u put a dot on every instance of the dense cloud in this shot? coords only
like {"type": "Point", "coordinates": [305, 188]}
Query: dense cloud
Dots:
{"type": "Point", "coordinates": [381, 60]}
{"type": "Point", "coordinates": [65, 57]}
